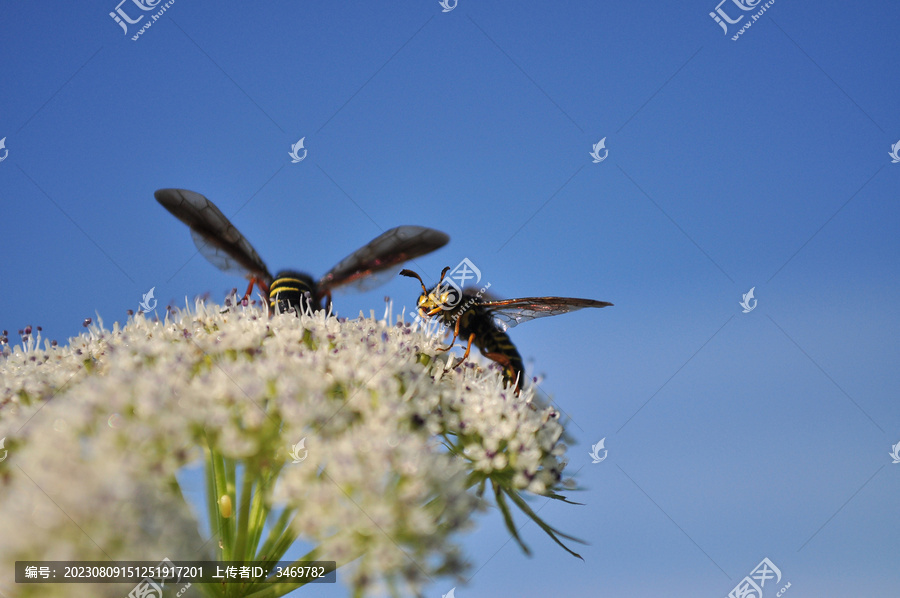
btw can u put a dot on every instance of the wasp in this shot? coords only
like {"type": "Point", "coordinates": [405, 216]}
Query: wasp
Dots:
{"type": "Point", "coordinates": [228, 250]}
{"type": "Point", "coordinates": [484, 321]}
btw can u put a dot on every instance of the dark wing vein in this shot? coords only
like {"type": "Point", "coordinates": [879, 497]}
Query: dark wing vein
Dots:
{"type": "Point", "coordinates": [510, 312]}
{"type": "Point", "coordinates": [215, 237]}
{"type": "Point", "coordinates": [382, 254]}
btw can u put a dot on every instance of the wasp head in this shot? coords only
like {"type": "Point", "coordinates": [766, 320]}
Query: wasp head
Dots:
{"type": "Point", "coordinates": [441, 299]}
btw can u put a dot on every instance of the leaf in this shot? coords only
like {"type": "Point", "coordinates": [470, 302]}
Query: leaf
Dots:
{"type": "Point", "coordinates": [550, 531]}
{"type": "Point", "coordinates": [507, 518]}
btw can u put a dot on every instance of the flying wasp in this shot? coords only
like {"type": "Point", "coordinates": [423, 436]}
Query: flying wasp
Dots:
{"type": "Point", "coordinates": [483, 322]}
{"type": "Point", "coordinates": [228, 250]}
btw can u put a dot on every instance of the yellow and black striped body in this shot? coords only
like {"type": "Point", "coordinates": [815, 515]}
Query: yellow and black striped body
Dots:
{"type": "Point", "coordinates": [227, 249]}
{"type": "Point", "coordinates": [292, 290]}
{"type": "Point", "coordinates": [491, 340]}
{"type": "Point", "coordinates": [483, 321]}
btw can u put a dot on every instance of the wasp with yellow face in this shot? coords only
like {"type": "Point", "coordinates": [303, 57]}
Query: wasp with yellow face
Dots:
{"type": "Point", "coordinates": [484, 322]}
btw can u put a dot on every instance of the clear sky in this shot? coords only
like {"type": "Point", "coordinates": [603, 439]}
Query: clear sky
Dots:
{"type": "Point", "coordinates": [758, 163]}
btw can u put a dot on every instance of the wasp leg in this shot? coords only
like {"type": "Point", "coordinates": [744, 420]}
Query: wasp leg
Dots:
{"type": "Point", "coordinates": [512, 377]}
{"type": "Point", "coordinates": [246, 297]}
{"type": "Point", "coordinates": [249, 290]}
{"type": "Point", "coordinates": [499, 358]}
{"type": "Point", "coordinates": [509, 373]}
{"type": "Point", "coordinates": [262, 287]}
{"type": "Point", "coordinates": [455, 336]}
{"type": "Point", "coordinates": [468, 347]}
{"type": "Point", "coordinates": [466, 354]}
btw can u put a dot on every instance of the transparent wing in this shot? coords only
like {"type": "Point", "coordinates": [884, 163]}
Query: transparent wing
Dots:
{"type": "Point", "coordinates": [225, 259]}
{"type": "Point", "coordinates": [381, 256]}
{"type": "Point", "coordinates": [367, 282]}
{"type": "Point", "coordinates": [510, 312]}
{"type": "Point", "coordinates": [215, 237]}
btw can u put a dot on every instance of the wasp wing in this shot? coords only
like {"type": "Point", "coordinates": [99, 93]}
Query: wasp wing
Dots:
{"type": "Point", "coordinates": [510, 312]}
{"type": "Point", "coordinates": [381, 255]}
{"type": "Point", "coordinates": [214, 235]}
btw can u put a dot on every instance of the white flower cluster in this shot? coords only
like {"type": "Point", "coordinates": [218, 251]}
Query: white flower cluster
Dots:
{"type": "Point", "coordinates": [99, 431]}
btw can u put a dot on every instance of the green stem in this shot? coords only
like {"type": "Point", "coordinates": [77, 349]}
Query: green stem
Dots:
{"type": "Point", "coordinates": [266, 552]}
{"type": "Point", "coordinates": [260, 512]}
{"type": "Point", "coordinates": [249, 479]}
{"type": "Point", "coordinates": [216, 487]}
{"type": "Point", "coordinates": [285, 540]}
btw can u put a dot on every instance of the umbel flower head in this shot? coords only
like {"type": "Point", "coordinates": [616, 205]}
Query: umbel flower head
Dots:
{"type": "Point", "coordinates": [102, 434]}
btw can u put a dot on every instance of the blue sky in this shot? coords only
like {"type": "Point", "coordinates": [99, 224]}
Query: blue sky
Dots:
{"type": "Point", "coordinates": [758, 163]}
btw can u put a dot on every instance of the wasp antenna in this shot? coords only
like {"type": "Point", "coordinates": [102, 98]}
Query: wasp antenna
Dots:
{"type": "Point", "coordinates": [412, 274]}
{"type": "Point", "coordinates": [444, 273]}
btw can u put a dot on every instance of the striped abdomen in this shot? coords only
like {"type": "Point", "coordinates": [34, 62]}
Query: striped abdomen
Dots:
{"type": "Point", "coordinates": [493, 343]}
{"type": "Point", "coordinates": [293, 290]}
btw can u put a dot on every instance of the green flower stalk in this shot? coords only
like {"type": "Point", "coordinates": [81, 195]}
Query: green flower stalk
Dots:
{"type": "Point", "coordinates": [346, 439]}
